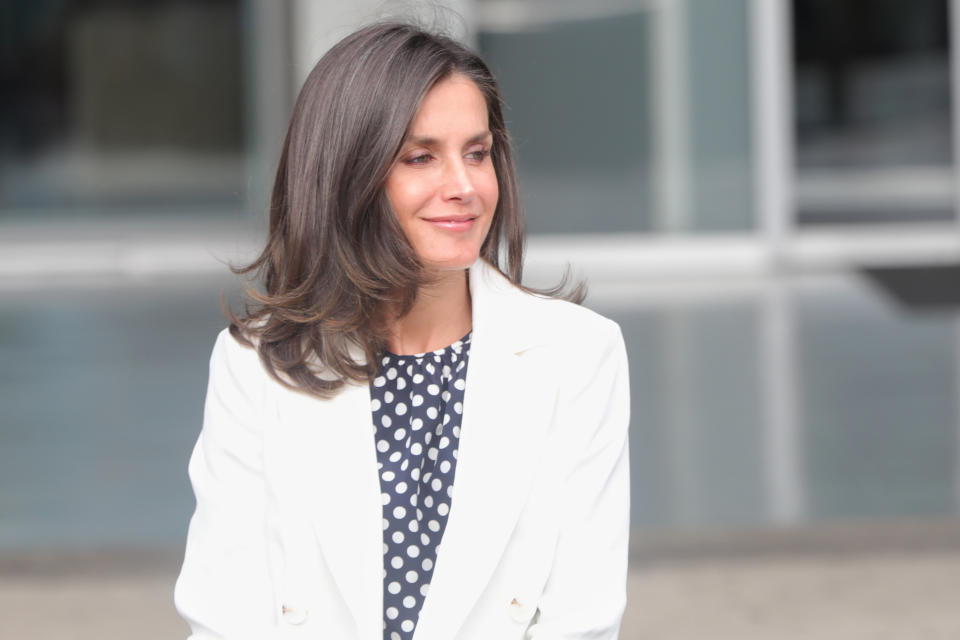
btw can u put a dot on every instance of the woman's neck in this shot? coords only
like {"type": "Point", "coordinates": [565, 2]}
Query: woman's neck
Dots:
{"type": "Point", "coordinates": [440, 316]}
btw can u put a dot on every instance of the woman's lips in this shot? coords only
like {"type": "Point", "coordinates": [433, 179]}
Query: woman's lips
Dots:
{"type": "Point", "coordinates": [453, 223]}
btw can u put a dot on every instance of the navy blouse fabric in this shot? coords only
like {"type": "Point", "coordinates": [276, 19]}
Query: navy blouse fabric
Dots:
{"type": "Point", "coordinates": [417, 403]}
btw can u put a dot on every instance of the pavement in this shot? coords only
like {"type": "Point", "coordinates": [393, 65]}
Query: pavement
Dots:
{"type": "Point", "coordinates": [848, 583]}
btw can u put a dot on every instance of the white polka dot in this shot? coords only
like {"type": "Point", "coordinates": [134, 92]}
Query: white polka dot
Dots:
{"type": "Point", "coordinates": [399, 513]}
{"type": "Point", "coordinates": [412, 576]}
{"type": "Point", "coordinates": [413, 499]}
{"type": "Point", "coordinates": [417, 378]}
{"type": "Point", "coordinates": [401, 384]}
{"type": "Point", "coordinates": [391, 373]}
{"type": "Point", "coordinates": [379, 381]}
{"type": "Point", "coordinates": [428, 501]}
{"type": "Point", "coordinates": [445, 466]}
{"type": "Point", "coordinates": [450, 491]}
{"type": "Point", "coordinates": [396, 455]}
{"type": "Point", "coordinates": [386, 524]}
{"type": "Point", "coordinates": [409, 602]}
{"type": "Point", "coordinates": [396, 562]}
{"type": "Point", "coordinates": [385, 549]}
{"type": "Point", "coordinates": [458, 407]}
{"type": "Point", "coordinates": [407, 625]}
{"type": "Point", "coordinates": [416, 424]}
{"type": "Point", "coordinates": [413, 526]}
{"type": "Point", "coordinates": [399, 434]}
{"type": "Point", "coordinates": [394, 635]}
{"type": "Point", "coordinates": [427, 437]}
{"type": "Point", "coordinates": [385, 497]}
{"type": "Point", "coordinates": [382, 446]}
{"type": "Point", "coordinates": [392, 613]}
{"type": "Point", "coordinates": [400, 409]}
{"type": "Point", "coordinates": [415, 473]}
{"type": "Point", "coordinates": [416, 449]}
{"type": "Point", "coordinates": [443, 509]}
{"type": "Point", "coordinates": [413, 551]}
{"type": "Point", "coordinates": [444, 442]}
{"type": "Point", "coordinates": [432, 413]}
{"type": "Point", "coordinates": [385, 420]}
{"type": "Point", "coordinates": [456, 432]}
{"type": "Point", "coordinates": [389, 475]}
{"type": "Point", "coordinates": [401, 487]}
{"type": "Point", "coordinates": [446, 396]}
{"type": "Point", "coordinates": [397, 537]}
{"type": "Point", "coordinates": [424, 588]}
{"type": "Point", "coordinates": [394, 587]}
{"type": "Point", "coordinates": [404, 465]}
{"type": "Point", "coordinates": [429, 367]}
{"type": "Point", "coordinates": [433, 525]}
{"type": "Point", "coordinates": [424, 539]}
{"type": "Point", "coordinates": [433, 389]}
{"type": "Point", "coordinates": [388, 397]}
{"type": "Point", "coordinates": [375, 404]}
{"type": "Point", "coordinates": [446, 418]}
{"type": "Point", "coordinates": [436, 484]}
{"type": "Point", "coordinates": [416, 400]}
{"type": "Point", "coordinates": [432, 453]}
{"type": "Point", "coordinates": [459, 384]}
{"type": "Point", "coordinates": [427, 564]}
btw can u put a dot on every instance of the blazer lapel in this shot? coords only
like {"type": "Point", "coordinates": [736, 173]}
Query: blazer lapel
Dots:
{"type": "Point", "coordinates": [332, 452]}
{"type": "Point", "coordinates": [504, 421]}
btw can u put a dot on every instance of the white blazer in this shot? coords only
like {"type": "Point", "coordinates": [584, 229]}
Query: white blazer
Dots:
{"type": "Point", "coordinates": [286, 540]}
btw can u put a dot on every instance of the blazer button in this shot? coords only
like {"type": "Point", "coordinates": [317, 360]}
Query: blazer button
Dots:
{"type": "Point", "coordinates": [294, 615]}
{"type": "Point", "coordinates": [520, 612]}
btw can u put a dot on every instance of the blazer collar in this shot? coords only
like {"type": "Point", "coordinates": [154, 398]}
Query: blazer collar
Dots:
{"type": "Point", "coordinates": [505, 316]}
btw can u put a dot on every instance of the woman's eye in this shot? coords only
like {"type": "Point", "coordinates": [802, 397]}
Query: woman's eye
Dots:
{"type": "Point", "coordinates": [422, 158]}
{"type": "Point", "coordinates": [479, 155]}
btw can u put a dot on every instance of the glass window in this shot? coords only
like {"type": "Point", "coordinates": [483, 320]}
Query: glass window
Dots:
{"type": "Point", "coordinates": [627, 119]}
{"type": "Point", "coordinates": [113, 104]}
{"type": "Point", "coordinates": [873, 118]}
{"type": "Point", "coordinates": [579, 112]}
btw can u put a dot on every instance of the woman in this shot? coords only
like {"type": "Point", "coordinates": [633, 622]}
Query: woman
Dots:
{"type": "Point", "coordinates": [396, 387]}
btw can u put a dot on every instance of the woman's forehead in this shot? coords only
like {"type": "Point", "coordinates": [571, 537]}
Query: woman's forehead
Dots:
{"type": "Point", "coordinates": [452, 107]}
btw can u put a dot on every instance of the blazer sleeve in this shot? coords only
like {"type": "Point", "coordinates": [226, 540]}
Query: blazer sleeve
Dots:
{"type": "Point", "coordinates": [585, 594]}
{"type": "Point", "coordinates": [224, 588]}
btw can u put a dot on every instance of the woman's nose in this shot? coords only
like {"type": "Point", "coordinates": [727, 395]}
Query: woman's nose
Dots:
{"type": "Point", "coordinates": [457, 184]}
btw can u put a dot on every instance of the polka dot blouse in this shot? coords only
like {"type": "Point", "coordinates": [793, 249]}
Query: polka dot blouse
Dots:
{"type": "Point", "coordinates": [417, 403]}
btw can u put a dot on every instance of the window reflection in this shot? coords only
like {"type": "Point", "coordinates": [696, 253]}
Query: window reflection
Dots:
{"type": "Point", "coordinates": [121, 104]}
{"type": "Point", "coordinates": [873, 114]}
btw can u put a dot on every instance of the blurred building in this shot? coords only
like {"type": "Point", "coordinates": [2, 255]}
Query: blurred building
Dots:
{"type": "Point", "coordinates": [762, 193]}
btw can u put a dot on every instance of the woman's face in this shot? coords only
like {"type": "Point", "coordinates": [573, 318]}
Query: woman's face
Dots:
{"type": "Point", "coordinates": [443, 186]}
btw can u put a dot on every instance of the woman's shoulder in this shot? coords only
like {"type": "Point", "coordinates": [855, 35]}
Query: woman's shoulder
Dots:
{"type": "Point", "coordinates": [567, 328]}
{"type": "Point", "coordinates": [235, 353]}
{"type": "Point", "coordinates": [545, 313]}
{"type": "Point", "coordinates": [573, 315]}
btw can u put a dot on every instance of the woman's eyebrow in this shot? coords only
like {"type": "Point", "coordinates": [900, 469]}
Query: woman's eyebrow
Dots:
{"type": "Point", "coordinates": [427, 141]}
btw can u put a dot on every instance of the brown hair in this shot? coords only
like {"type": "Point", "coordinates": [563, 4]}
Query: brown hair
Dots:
{"type": "Point", "coordinates": [336, 257]}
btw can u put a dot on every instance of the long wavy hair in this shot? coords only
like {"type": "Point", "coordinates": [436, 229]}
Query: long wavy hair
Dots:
{"type": "Point", "coordinates": [336, 258]}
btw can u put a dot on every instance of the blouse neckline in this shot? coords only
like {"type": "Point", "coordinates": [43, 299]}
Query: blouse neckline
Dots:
{"type": "Point", "coordinates": [456, 347]}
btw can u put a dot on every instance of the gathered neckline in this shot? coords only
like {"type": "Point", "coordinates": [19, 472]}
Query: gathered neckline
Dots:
{"type": "Point", "coordinates": [456, 347]}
